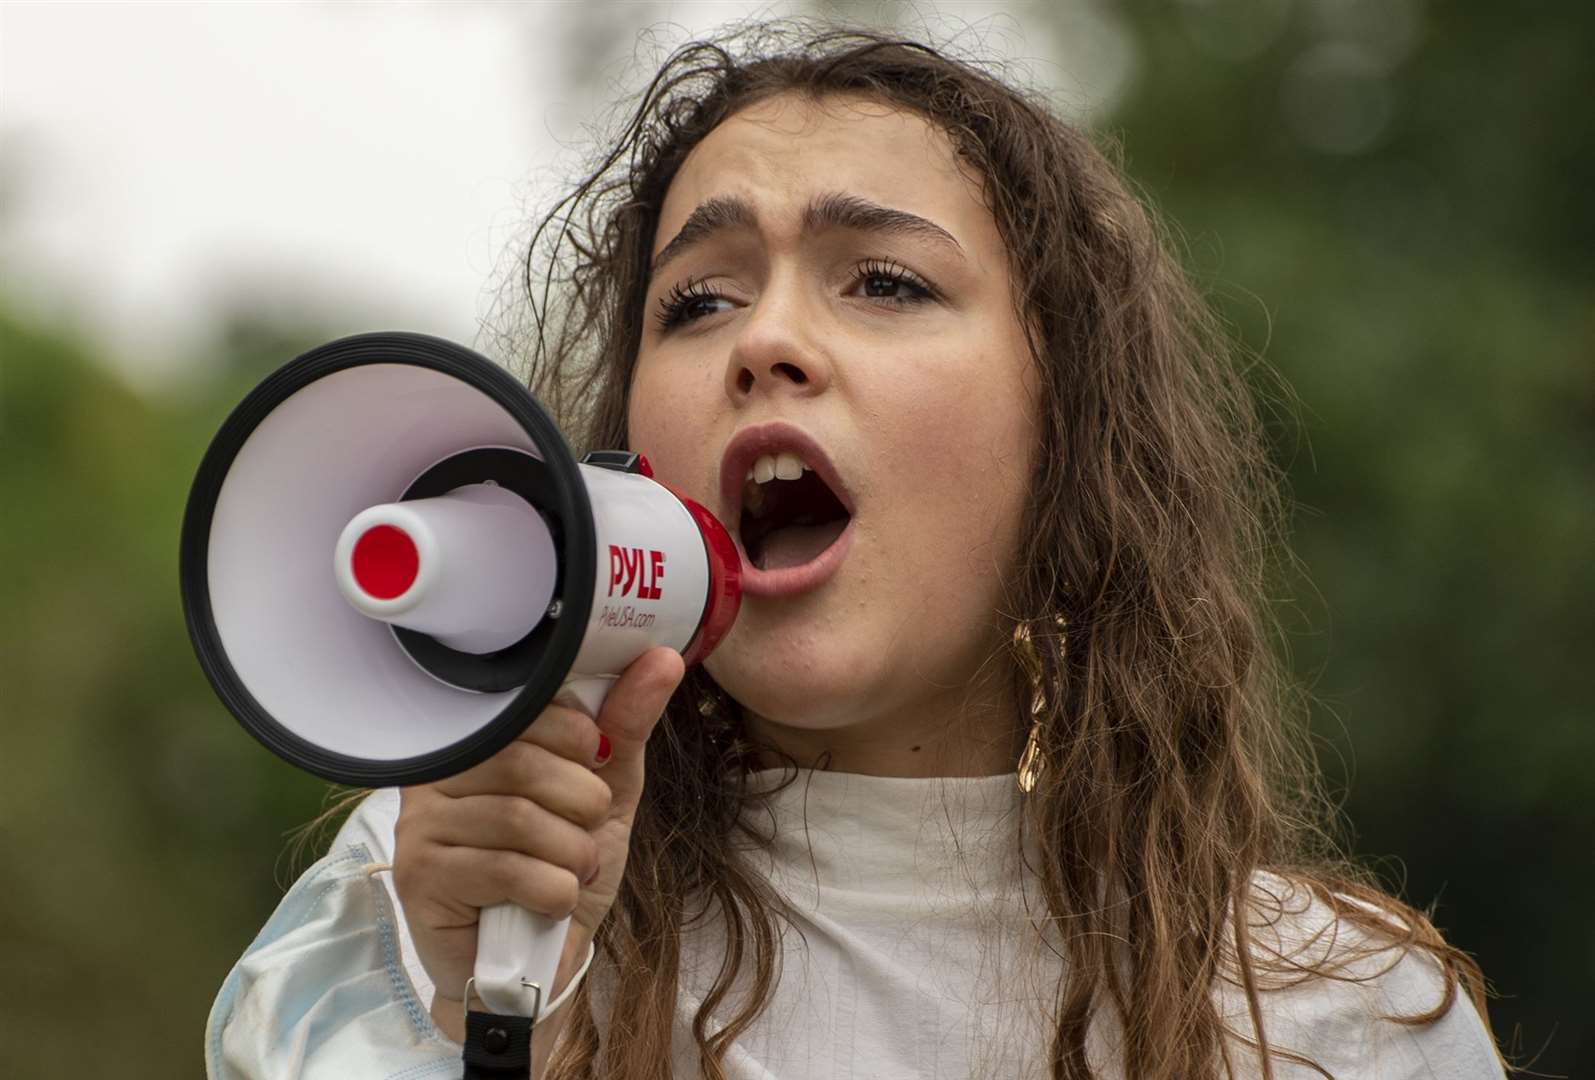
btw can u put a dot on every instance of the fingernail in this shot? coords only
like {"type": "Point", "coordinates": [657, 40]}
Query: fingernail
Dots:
{"type": "Point", "coordinates": [604, 749]}
{"type": "Point", "coordinates": [592, 877]}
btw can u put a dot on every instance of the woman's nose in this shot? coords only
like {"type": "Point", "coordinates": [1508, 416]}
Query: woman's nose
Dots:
{"type": "Point", "coordinates": [777, 350]}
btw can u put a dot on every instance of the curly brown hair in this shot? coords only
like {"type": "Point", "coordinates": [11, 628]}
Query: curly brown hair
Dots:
{"type": "Point", "coordinates": [1178, 763]}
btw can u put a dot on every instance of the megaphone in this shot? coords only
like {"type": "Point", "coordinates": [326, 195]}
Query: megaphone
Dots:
{"type": "Point", "coordinates": [392, 563]}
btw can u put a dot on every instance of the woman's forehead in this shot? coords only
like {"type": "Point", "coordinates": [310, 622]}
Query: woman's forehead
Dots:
{"type": "Point", "coordinates": [778, 154]}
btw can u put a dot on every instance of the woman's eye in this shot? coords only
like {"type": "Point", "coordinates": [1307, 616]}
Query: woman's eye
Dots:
{"type": "Point", "coordinates": [687, 303]}
{"type": "Point", "coordinates": [696, 307]}
{"type": "Point", "coordinates": [889, 281]}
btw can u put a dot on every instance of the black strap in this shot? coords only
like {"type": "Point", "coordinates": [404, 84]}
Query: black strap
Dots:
{"type": "Point", "coordinates": [497, 1047]}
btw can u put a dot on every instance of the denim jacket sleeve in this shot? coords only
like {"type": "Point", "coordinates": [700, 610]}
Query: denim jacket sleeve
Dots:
{"type": "Point", "coordinates": [323, 991]}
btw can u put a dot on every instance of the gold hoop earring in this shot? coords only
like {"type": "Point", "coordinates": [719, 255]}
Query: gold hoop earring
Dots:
{"type": "Point", "coordinates": [1032, 762]}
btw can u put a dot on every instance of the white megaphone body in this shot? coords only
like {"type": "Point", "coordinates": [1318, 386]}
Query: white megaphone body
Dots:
{"type": "Point", "coordinates": [392, 563]}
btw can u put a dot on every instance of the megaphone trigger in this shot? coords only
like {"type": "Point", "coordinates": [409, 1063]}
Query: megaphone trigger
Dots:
{"type": "Point", "coordinates": [586, 693]}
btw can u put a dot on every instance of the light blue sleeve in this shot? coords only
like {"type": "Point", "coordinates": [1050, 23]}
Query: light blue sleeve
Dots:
{"type": "Point", "coordinates": [323, 992]}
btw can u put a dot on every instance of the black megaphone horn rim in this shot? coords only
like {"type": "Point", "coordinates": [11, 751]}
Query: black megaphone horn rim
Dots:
{"type": "Point", "coordinates": [576, 549]}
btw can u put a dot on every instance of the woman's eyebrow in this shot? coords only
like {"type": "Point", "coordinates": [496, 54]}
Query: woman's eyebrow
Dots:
{"type": "Point", "coordinates": [837, 210]}
{"type": "Point", "coordinates": [711, 216]}
{"type": "Point", "coordinates": [834, 210]}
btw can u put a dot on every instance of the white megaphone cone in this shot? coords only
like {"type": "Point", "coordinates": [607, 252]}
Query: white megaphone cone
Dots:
{"type": "Point", "coordinates": [478, 572]}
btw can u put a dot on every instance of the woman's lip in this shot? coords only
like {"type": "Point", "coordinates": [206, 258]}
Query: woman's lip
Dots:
{"type": "Point", "coordinates": [793, 580]}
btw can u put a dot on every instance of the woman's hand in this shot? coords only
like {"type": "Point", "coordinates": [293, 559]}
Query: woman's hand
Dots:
{"type": "Point", "coordinates": [545, 823]}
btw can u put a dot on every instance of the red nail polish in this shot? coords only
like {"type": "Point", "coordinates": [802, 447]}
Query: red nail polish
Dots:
{"type": "Point", "coordinates": [604, 748]}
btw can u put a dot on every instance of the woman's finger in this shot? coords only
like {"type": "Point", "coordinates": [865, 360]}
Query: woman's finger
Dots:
{"type": "Point", "coordinates": [564, 733]}
{"type": "Point", "coordinates": [628, 717]}
{"type": "Point", "coordinates": [480, 878]}
{"type": "Point", "coordinates": [568, 732]}
{"type": "Point", "coordinates": [571, 790]}
{"type": "Point", "coordinates": [513, 824]}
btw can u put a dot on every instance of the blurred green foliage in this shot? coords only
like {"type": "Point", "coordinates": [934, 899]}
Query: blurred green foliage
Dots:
{"type": "Point", "coordinates": [138, 823]}
{"type": "Point", "coordinates": [1401, 224]}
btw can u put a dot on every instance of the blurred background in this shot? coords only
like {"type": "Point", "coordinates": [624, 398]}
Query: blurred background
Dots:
{"type": "Point", "coordinates": [1389, 200]}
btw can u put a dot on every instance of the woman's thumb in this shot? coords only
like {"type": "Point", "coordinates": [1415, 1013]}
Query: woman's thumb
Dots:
{"type": "Point", "coordinates": [628, 717]}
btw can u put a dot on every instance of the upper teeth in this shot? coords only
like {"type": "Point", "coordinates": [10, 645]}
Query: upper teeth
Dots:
{"type": "Point", "coordinates": [768, 467]}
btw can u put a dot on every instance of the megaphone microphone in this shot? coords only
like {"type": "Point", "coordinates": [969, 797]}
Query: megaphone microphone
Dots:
{"type": "Point", "coordinates": [392, 563]}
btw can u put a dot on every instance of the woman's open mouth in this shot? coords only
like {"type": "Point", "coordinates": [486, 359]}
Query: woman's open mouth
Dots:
{"type": "Point", "coordinates": [786, 523]}
{"type": "Point", "coordinates": [793, 527]}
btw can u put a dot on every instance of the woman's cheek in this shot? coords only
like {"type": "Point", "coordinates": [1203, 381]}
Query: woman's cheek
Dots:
{"type": "Point", "coordinates": [956, 540]}
{"type": "Point", "coordinates": [660, 425]}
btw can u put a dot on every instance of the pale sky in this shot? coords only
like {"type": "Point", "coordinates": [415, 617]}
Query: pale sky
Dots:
{"type": "Point", "coordinates": [373, 164]}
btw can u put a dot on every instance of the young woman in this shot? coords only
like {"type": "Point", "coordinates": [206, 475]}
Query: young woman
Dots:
{"type": "Point", "coordinates": [995, 775]}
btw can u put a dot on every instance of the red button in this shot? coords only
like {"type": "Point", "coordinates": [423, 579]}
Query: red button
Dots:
{"type": "Point", "coordinates": [385, 562]}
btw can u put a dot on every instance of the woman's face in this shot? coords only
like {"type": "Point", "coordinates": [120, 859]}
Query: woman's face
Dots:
{"type": "Point", "coordinates": [828, 283]}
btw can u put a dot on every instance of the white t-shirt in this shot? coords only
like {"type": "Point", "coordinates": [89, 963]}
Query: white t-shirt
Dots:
{"type": "Point", "coordinates": [917, 958]}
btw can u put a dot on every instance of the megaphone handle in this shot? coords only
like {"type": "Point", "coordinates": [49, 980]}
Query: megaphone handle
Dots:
{"type": "Point", "coordinates": [517, 949]}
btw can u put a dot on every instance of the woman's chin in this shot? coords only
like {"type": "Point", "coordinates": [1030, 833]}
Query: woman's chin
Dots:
{"type": "Point", "coordinates": [808, 711]}
{"type": "Point", "coordinates": [809, 704]}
